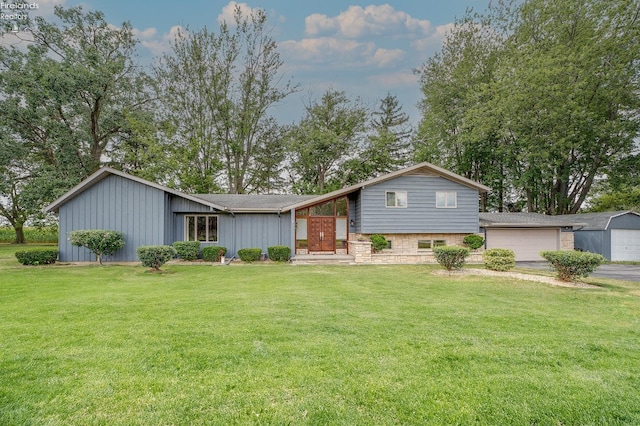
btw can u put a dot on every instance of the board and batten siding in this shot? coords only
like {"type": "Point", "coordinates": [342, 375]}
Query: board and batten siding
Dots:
{"type": "Point", "coordinates": [116, 204]}
{"type": "Point", "coordinates": [244, 230]}
{"type": "Point", "coordinates": [421, 214]}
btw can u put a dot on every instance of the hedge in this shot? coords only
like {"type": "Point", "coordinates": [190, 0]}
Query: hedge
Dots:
{"type": "Point", "coordinates": [249, 254]}
{"type": "Point", "coordinates": [378, 242]}
{"type": "Point", "coordinates": [187, 250]}
{"type": "Point", "coordinates": [498, 259]}
{"type": "Point", "coordinates": [451, 257]}
{"type": "Point", "coordinates": [37, 256]}
{"type": "Point", "coordinates": [473, 241]}
{"type": "Point", "coordinates": [279, 253]}
{"type": "Point", "coordinates": [155, 256]}
{"type": "Point", "coordinates": [213, 253]}
{"type": "Point", "coordinates": [573, 264]}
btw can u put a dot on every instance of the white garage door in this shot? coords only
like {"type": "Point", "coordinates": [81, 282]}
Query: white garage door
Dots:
{"type": "Point", "coordinates": [625, 244]}
{"type": "Point", "coordinates": [526, 243]}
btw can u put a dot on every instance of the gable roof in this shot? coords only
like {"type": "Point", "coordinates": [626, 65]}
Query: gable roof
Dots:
{"type": "Point", "coordinates": [105, 172]}
{"type": "Point", "coordinates": [246, 203]}
{"type": "Point", "coordinates": [418, 168]}
{"type": "Point", "coordinates": [598, 221]}
{"type": "Point", "coordinates": [525, 220]}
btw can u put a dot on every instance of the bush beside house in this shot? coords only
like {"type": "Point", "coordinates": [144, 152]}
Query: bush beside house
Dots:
{"type": "Point", "coordinates": [187, 250]}
{"type": "Point", "coordinates": [213, 253]}
{"type": "Point", "coordinates": [279, 253]}
{"type": "Point", "coordinates": [498, 259]}
{"type": "Point", "coordinates": [451, 257]}
{"type": "Point", "coordinates": [37, 256]}
{"type": "Point", "coordinates": [573, 264]}
{"type": "Point", "coordinates": [100, 242]}
{"type": "Point", "coordinates": [250, 254]}
{"type": "Point", "coordinates": [155, 256]}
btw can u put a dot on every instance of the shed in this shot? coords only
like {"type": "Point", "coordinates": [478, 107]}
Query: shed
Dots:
{"type": "Point", "coordinates": [615, 235]}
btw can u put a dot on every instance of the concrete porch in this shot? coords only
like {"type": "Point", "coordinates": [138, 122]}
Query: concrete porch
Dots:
{"type": "Point", "coordinates": [323, 259]}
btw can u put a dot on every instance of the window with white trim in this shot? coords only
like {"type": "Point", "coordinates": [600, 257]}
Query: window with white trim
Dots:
{"type": "Point", "coordinates": [202, 228]}
{"type": "Point", "coordinates": [396, 199]}
{"type": "Point", "coordinates": [446, 200]}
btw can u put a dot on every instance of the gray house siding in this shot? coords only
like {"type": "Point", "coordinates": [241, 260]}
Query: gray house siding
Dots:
{"type": "Point", "coordinates": [627, 221]}
{"type": "Point", "coordinates": [593, 241]}
{"type": "Point", "coordinates": [118, 204]}
{"type": "Point", "coordinates": [245, 230]}
{"type": "Point", "coordinates": [421, 214]}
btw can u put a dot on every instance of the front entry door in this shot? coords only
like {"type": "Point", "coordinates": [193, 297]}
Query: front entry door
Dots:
{"type": "Point", "coordinates": [322, 234]}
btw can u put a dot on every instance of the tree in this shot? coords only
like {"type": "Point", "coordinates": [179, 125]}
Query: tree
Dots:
{"type": "Point", "coordinates": [387, 147]}
{"type": "Point", "coordinates": [62, 103]}
{"type": "Point", "coordinates": [556, 106]}
{"type": "Point", "coordinates": [218, 89]}
{"type": "Point", "coordinates": [325, 139]}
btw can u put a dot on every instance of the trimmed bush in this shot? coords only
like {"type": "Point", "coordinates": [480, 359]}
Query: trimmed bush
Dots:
{"type": "Point", "coordinates": [37, 256]}
{"type": "Point", "coordinates": [451, 257]}
{"type": "Point", "coordinates": [213, 253]}
{"type": "Point", "coordinates": [187, 250]}
{"type": "Point", "coordinates": [249, 254]}
{"type": "Point", "coordinates": [498, 259]}
{"type": "Point", "coordinates": [473, 241]}
{"type": "Point", "coordinates": [279, 253]}
{"type": "Point", "coordinates": [99, 241]}
{"type": "Point", "coordinates": [155, 256]}
{"type": "Point", "coordinates": [573, 264]}
{"type": "Point", "coordinates": [378, 242]}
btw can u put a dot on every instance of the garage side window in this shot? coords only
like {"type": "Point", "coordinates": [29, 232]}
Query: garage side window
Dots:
{"type": "Point", "coordinates": [201, 228]}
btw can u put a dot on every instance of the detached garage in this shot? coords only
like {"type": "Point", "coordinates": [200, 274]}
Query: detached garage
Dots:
{"type": "Point", "coordinates": [527, 234]}
{"type": "Point", "coordinates": [615, 235]}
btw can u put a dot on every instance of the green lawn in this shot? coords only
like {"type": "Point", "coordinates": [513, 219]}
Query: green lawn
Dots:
{"type": "Point", "coordinates": [282, 344]}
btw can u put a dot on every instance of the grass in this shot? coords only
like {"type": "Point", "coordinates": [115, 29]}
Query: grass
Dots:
{"type": "Point", "coordinates": [282, 344]}
{"type": "Point", "coordinates": [32, 234]}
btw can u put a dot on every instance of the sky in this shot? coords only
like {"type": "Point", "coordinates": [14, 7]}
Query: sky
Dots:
{"type": "Point", "coordinates": [367, 49]}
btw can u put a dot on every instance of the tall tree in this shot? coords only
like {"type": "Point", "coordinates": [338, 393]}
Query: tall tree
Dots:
{"type": "Point", "coordinates": [218, 88]}
{"type": "Point", "coordinates": [62, 99]}
{"type": "Point", "coordinates": [560, 102]}
{"type": "Point", "coordinates": [327, 137]}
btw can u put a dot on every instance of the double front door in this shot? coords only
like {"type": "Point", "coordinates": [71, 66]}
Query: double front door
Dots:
{"type": "Point", "coordinates": [322, 234]}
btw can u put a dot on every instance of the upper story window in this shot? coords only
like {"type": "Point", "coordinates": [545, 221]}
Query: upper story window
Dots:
{"type": "Point", "coordinates": [446, 200]}
{"type": "Point", "coordinates": [396, 199]}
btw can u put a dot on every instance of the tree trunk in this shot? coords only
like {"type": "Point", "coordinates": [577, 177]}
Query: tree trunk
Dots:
{"type": "Point", "coordinates": [19, 234]}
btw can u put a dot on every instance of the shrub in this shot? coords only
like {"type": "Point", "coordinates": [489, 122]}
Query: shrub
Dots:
{"type": "Point", "coordinates": [213, 253]}
{"type": "Point", "coordinates": [99, 241]}
{"type": "Point", "coordinates": [279, 253]}
{"type": "Point", "coordinates": [37, 256]}
{"type": "Point", "coordinates": [498, 259]}
{"type": "Point", "coordinates": [187, 250]}
{"type": "Point", "coordinates": [249, 254]}
{"type": "Point", "coordinates": [473, 241]}
{"type": "Point", "coordinates": [573, 264]}
{"type": "Point", "coordinates": [155, 256]}
{"type": "Point", "coordinates": [378, 242]}
{"type": "Point", "coordinates": [451, 257]}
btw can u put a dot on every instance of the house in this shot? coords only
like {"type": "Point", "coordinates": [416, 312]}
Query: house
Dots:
{"type": "Point", "coordinates": [527, 234]}
{"type": "Point", "coordinates": [615, 235]}
{"type": "Point", "coordinates": [416, 208]}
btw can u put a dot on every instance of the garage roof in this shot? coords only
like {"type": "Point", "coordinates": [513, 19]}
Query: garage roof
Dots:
{"type": "Point", "coordinates": [598, 221]}
{"type": "Point", "coordinates": [526, 220]}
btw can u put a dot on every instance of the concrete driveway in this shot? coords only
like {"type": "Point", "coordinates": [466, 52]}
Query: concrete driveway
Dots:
{"type": "Point", "coordinates": [614, 271]}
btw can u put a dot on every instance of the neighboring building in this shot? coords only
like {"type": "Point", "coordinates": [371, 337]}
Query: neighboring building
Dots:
{"type": "Point", "coordinates": [416, 208]}
{"type": "Point", "coordinates": [615, 235]}
{"type": "Point", "coordinates": [527, 234]}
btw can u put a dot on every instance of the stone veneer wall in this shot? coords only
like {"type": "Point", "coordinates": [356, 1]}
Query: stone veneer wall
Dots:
{"type": "Point", "coordinates": [404, 249]}
{"type": "Point", "coordinates": [567, 241]}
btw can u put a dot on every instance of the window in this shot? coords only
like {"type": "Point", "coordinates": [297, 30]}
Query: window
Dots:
{"type": "Point", "coordinates": [446, 200]}
{"type": "Point", "coordinates": [201, 228]}
{"type": "Point", "coordinates": [396, 199]}
{"type": "Point", "coordinates": [430, 244]}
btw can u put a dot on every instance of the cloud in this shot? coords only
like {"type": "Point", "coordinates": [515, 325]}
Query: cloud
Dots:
{"type": "Point", "coordinates": [228, 12]}
{"type": "Point", "coordinates": [149, 39]}
{"type": "Point", "coordinates": [395, 79]}
{"type": "Point", "coordinates": [433, 40]}
{"type": "Point", "coordinates": [358, 22]}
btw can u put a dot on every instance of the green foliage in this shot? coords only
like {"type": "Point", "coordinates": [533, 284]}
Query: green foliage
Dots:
{"type": "Point", "coordinates": [378, 242]}
{"type": "Point", "coordinates": [155, 256]}
{"type": "Point", "coordinates": [249, 254]}
{"type": "Point", "coordinates": [99, 241]}
{"type": "Point", "coordinates": [279, 253]}
{"type": "Point", "coordinates": [498, 259]}
{"type": "Point", "coordinates": [187, 250]}
{"type": "Point", "coordinates": [498, 98]}
{"type": "Point", "coordinates": [473, 241]}
{"type": "Point", "coordinates": [573, 264]}
{"type": "Point", "coordinates": [37, 256]}
{"type": "Point", "coordinates": [32, 234]}
{"type": "Point", "coordinates": [451, 257]}
{"type": "Point", "coordinates": [628, 199]}
{"type": "Point", "coordinates": [213, 253]}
